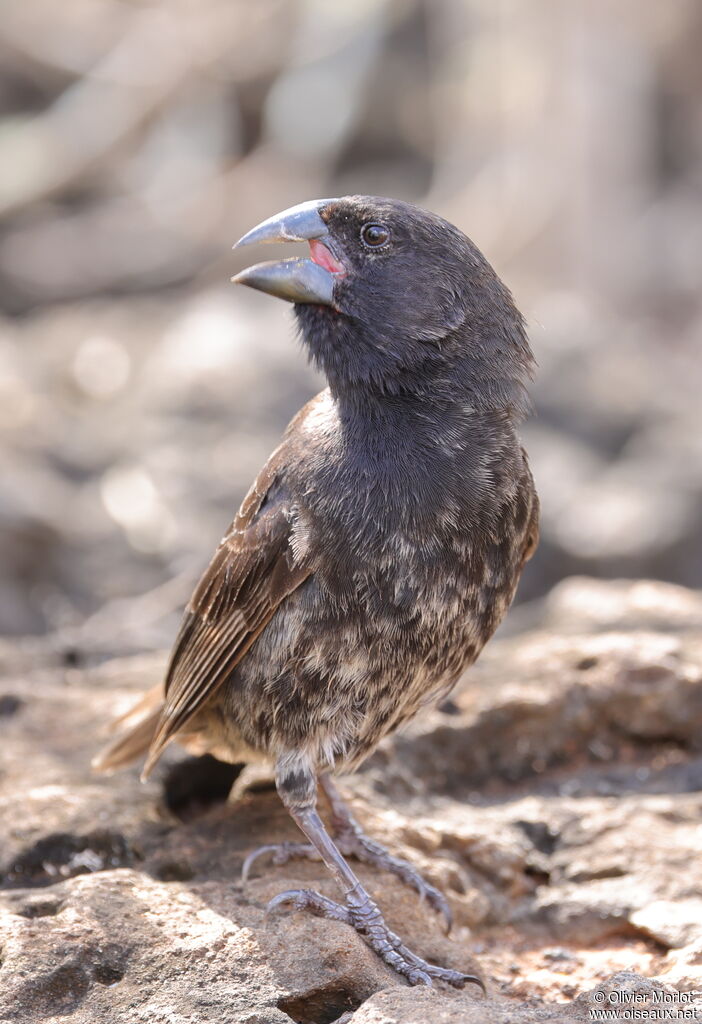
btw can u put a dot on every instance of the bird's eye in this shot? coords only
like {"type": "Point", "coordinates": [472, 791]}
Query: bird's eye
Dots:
{"type": "Point", "coordinates": [374, 235]}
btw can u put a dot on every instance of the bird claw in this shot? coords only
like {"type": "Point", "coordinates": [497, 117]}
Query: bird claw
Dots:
{"type": "Point", "coordinates": [313, 902]}
{"type": "Point", "coordinates": [365, 917]}
{"type": "Point", "coordinates": [282, 853]}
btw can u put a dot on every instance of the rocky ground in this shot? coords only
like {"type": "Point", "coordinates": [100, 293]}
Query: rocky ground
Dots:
{"type": "Point", "coordinates": [555, 798]}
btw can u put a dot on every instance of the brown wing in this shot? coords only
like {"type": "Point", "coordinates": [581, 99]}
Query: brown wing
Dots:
{"type": "Point", "coordinates": [253, 570]}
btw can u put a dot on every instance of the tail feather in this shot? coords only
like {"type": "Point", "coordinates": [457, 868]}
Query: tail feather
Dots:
{"type": "Point", "coordinates": [144, 719]}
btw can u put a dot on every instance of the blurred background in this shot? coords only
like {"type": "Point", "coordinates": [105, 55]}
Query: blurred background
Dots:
{"type": "Point", "coordinates": [140, 392]}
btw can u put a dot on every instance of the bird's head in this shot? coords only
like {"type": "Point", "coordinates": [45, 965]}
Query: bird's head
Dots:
{"type": "Point", "coordinates": [395, 300]}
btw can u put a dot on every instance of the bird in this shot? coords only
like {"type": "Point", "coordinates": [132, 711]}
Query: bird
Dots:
{"type": "Point", "coordinates": [379, 547]}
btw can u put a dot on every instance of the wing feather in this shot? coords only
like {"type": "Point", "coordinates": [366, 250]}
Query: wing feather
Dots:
{"type": "Point", "coordinates": [253, 570]}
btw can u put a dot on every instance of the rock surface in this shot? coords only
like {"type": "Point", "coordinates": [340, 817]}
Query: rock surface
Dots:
{"type": "Point", "coordinates": [555, 798]}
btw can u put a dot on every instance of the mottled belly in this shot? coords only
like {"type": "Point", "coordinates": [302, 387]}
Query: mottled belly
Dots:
{"type": "Point", "coordinates": [333, 678]}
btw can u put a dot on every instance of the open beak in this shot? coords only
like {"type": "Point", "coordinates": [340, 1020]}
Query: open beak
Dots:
{"type": "Point", "coordinates": [297, 279]}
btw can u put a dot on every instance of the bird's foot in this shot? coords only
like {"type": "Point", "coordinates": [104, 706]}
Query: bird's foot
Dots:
{"type": "Point", "coordinates": [353, 842]}
{"type": "Point", "coordinates": [362, 914]}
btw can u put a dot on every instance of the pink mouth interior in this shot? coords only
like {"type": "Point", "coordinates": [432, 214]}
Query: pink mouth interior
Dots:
{"type": "Point", "coordinates": [321, 255]}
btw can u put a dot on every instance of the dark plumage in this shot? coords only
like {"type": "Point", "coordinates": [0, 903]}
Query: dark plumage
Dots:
{"type": "Point", "coordinates": [382, 542]}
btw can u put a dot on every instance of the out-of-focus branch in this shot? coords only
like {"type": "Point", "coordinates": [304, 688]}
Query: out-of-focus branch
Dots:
{"type": "Point", "coordinates": [100, 112]}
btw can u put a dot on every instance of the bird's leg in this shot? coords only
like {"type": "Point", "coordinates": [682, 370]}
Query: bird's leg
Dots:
{"type": "Point", "coordinates": [352, 841]}
{"type": "Point", "coordinates": [297, 788]}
